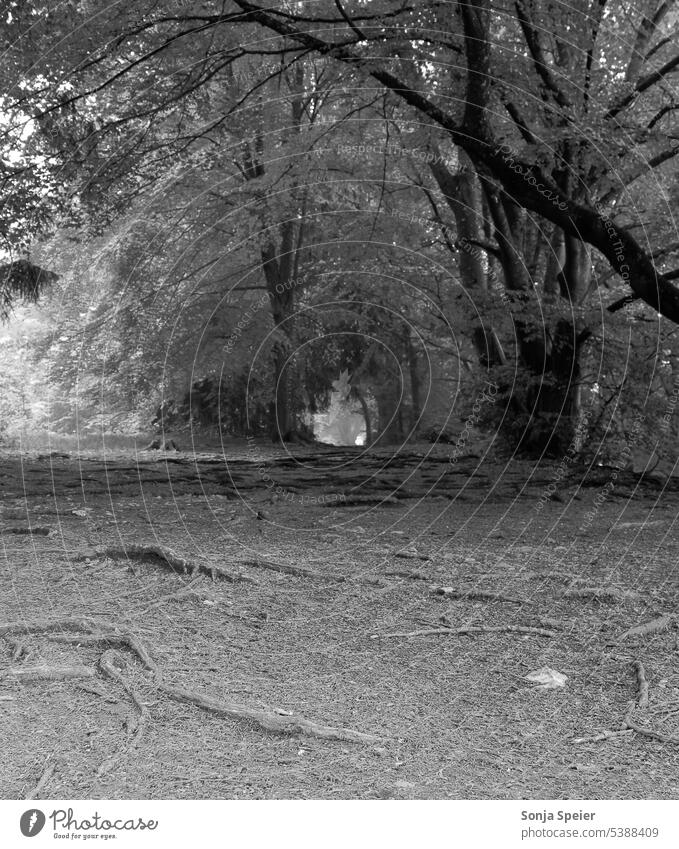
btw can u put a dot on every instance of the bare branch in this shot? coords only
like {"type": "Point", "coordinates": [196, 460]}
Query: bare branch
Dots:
{"type": "Point", "coordinates": [644, 83]}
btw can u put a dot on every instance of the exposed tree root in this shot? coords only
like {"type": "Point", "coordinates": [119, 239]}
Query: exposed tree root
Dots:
{"type": "Point", "coordinates": [151, 553]}
{"type": "Point", "coordinates": [189, 589]}
{"type": "Point", "coordinates": [642, 698]}
{"type": "Point", "coordinates": [37, 626]}
{"type": "Point", "coordinates": [270, 721]}
{"type": "Point", "coordinates": [287, 569]}
{"type": "Point", "coordinates": [413, 576]}
{"type": "Point", "coordinates": [109, 663]}
{"type": "Point", "coordinates": [161, 445]}
{"type": "Point", "coordinates": [19, 650]}
{"type": "Point", "coordinates": [363, 501]}
{"type": "Point", "coordinates": [160, 555]}
{"type": "Point", "coordinates": [112, 638]}
{"type": "Point", "coordinates": [654, 735]}
{"type": "Point", "coordinates": [405, 554]}
{"type": "Point", "coordinates": [478, 595]}
{"type": "Point", "coordinates": [44, 778]}
{"type": "Point", "coordinates": [628, 725]}
{"type": "Point", "coordinates": [471, 629]}
{"type": "Point", "coordinates": [610, 594]}
{"type": "Point", "coordinates": [95, 632]}
{"type": "Point", "coordinates": [36, 531]}
{"type": "Point", "coordinates": [49, 673]}
{"type": "Point", "coordinates": [230, 577]}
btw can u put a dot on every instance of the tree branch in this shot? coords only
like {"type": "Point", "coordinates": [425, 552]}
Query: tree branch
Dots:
{"type": "Point", "coordinates": [543, 70]}
{"type": "Point", "coordinates": [524, 183]}
{"type": "Point", "coordinates": [644, 83]}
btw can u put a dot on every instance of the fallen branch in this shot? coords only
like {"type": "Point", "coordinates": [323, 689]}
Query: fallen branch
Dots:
{"type": "Point", "coordinates": [477, 595]}
{"type": "Point", "coordinates": [287, 569]}
{"type": "Point", "coordinates": [471, 629]}
{"type": "Point", "coordinates": [44, 778]}
{"type": "Point", "coordinates": [49, 673]}
{"type": "Point", "coordinates": [269, 720]}
{"type": "Point", "coordinates": [605, 735]}
{"type": "Point", "coordinates": [107, 664]}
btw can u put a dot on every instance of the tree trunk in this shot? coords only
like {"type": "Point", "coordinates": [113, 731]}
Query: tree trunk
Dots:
{"type": "Point", "coordinates": [415, 383]}
{"type": "Point", "coordinates": [366, 415]}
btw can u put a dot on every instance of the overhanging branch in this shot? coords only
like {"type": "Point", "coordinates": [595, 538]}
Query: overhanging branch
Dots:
{"type": "Point", "coordinates": [523, 182]}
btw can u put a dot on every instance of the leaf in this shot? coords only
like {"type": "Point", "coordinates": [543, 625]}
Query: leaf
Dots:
{"type": "Point", "coordinates": [547, 678]}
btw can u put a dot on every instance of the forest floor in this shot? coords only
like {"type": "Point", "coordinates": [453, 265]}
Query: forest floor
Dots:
{"type": "Point", "coordinates": [219, 625]}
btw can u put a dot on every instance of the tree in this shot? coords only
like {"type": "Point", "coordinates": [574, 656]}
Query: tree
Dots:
{"type": "Point", "coordinates": [527, 197]}
{"type": "Point", "coordinates": [541, 157]}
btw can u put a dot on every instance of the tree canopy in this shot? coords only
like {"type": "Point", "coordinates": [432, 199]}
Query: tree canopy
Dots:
{"type": "Point", "coordinates": [418, 193]}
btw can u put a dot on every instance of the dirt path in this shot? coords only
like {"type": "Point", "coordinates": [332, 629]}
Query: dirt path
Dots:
{"type": "Point", "coordinates": [299, 623]}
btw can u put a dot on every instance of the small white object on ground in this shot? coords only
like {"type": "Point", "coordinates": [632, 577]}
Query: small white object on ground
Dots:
{"type": "Point", "coordinates": [547, 678]}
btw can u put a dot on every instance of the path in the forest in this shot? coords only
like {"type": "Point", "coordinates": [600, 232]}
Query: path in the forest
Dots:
{"type": "Point", "coordinates": [225, 633]}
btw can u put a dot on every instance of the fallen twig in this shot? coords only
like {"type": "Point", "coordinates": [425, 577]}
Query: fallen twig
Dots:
{"type": "Point", "coordinates": [605, 735]}
{"type": "Point", "coordinates": [654, 626]}
{"type": "Point", "coordinates": [44, 778]}
{"type": "Point", "coordinates": [477, 595]}
{"type": "Point", "coordinates": [471, 629]}
{"type": "Point", "coordinates": [621, 526]}
{"type": "Point", "coordinates": [49, 673]}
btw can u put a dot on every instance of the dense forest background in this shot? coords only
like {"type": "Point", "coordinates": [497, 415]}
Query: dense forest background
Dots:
{"type": "Point", "coordinates": [344, 220]}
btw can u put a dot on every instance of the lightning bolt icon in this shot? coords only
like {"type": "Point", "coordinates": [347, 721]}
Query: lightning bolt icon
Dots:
{"type": "Point", "coordinates": [32, 821]}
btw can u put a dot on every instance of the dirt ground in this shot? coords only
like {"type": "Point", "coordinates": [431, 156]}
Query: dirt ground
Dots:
{"type": "Point", "coordinates": [276, 587]}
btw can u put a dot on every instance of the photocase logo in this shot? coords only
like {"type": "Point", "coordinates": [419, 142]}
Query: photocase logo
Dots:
{"type": "Point", "coordinates": [32, 822]}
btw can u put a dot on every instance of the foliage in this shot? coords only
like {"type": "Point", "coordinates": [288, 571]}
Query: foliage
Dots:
{"type": "Point", "coordinates": [245, 218]}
